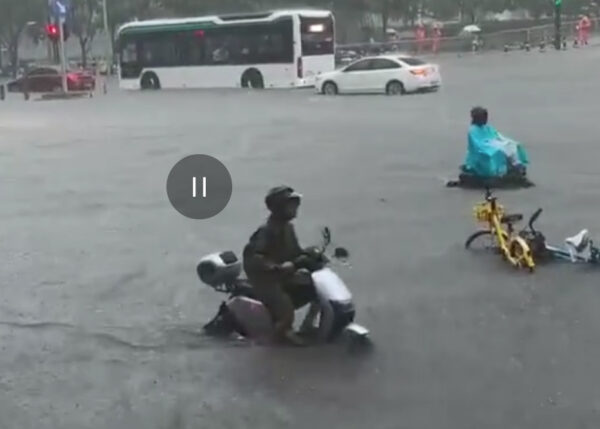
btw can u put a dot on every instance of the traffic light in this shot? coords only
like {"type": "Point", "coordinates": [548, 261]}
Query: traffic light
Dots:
{"type": "Point", "coordinates": [52, 32]}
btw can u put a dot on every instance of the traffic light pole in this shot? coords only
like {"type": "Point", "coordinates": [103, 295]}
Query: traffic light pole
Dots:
{"type": "Point", "coordinates": [63, 60]}
{"type": "Point", "coordinates": [109, 36]}
{"type": "Point", "coordinates": [557, 35]}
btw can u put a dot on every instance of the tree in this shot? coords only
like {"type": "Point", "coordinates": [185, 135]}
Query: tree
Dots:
{"type": "Point", "coordinates": [537, 8]}
{"type": "Point", "coordinates": [85, 21]}
{"type": "Point", "coordinates": [470, 10]}
{"type": "Point", "coordinates": [206, 7]}
{"type": "Point", "coordinates": [123, 11]}
{"type": "Point", "coordinates": [442, 9]}
{"type": "Point", "coordinates": [15, 17]}
{"type": "Point", "coordinates": [387, 9]}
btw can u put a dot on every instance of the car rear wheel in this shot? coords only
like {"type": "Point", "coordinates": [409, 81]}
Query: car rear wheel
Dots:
{"type": "Point", "coordinates": [330, 88]}
{"type": "Point", "coordinates": [394, 88]}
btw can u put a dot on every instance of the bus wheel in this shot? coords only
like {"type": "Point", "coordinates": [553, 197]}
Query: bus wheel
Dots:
{"type": "Point", "coordinates": [252, 78]}
{"type": "Point", "coordinates": [150, 81]}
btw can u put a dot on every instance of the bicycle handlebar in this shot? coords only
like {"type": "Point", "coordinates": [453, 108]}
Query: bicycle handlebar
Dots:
{"type": "Point", "coordinates": [488, 193]}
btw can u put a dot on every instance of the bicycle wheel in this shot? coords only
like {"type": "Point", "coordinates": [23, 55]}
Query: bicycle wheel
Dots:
{"type": "Point", "coordinates": [483, 240]}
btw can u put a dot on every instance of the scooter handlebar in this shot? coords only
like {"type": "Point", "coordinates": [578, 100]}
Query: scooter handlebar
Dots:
{"type": "Point", "coordinates": [534, 217]}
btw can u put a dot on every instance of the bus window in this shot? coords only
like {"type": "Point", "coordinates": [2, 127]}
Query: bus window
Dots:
{"type": "Point", "coordinates": [250, 44]}
{"type": "Point", "coordinates": [129, 53]}
{"type": "Point", "coordinates": [274, 43]}
{"type": "Point", "coordinates": [219, 46]}
{"type": "Point", "coordinates": [160, 51]}
{"type": "Point", "coordinates": [317, 36]}
{"type": "Point", "coordinates": [129, 58]}
{"type": "Point", "coordinates": [196, 48]}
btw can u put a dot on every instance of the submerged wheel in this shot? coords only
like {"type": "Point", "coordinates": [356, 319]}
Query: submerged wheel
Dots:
{"type": "Point", "coordinates": [252, 78]}
{"type": "Point", "coordinates": [150, 81]}
{"type": "Point", "coordinates": [394, 88]}
{"type": "Point", "coordinates": [326, 319]}
{"type": "Point", "coordinates": [330, 88]}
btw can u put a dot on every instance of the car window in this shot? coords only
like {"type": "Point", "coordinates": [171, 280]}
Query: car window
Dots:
{"type": "Point", "coordinates": [411, 61]}
{"type": "Point", "coordinates": [42, 71]}
{"type": "Point", "coordinates": [384, 64]}
{"type": "Point", "coordinates": [359, 66]}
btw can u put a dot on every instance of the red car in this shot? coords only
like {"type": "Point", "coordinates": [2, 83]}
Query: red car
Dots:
{"type": "Point", "coordinates": [48, 79]}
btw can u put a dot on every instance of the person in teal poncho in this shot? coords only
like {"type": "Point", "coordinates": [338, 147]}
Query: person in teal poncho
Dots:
{"type": "Point", "coordinates": [489, 153]}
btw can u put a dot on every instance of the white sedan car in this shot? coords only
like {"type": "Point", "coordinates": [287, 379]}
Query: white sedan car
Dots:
{"type": "Point", "coordinates": [391, 74]}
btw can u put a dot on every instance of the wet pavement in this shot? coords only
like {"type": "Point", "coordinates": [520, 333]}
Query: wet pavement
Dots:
{"type": "Point", "coordinates": [100, 307]}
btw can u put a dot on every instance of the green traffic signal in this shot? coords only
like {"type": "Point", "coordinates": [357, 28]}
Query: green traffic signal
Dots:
{"type": "Point", "coordinates": [557, 2]}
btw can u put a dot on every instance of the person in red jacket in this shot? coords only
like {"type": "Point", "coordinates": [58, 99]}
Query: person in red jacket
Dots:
{"type": "Point", "coordinates": [584, 25]}
{"type": "Point", "coordinates": [437, 35]}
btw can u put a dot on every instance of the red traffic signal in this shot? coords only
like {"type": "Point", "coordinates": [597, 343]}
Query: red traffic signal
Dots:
{"type": "Point", "coordinates": [52, 32]}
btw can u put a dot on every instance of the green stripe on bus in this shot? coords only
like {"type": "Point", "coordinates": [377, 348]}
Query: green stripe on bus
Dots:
{"type": "Point", "coordinates": [196, 26]}
{"type": "Point", "coordinates": [178, 27]}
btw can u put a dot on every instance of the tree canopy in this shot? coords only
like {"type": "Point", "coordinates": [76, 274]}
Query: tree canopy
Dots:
{"type": "Point", "coordinates": [18, 16]}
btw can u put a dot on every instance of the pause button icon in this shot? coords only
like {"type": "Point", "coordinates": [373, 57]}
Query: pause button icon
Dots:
{"type": "Point", "coordinates": [187, 186]}
{"type": "Point", "coordinates": [194, 186]}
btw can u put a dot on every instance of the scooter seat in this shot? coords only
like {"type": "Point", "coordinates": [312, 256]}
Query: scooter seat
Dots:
{"type": "Point", "coordinates": [244, 288]}
{"type": "Point", "coordinates": [511, 218]}
{"type": "Point", "coordinates": [580, 241]}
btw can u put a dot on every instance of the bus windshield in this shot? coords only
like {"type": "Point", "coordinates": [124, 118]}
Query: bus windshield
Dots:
{"type": "Point", "coordinates": [317, 36]}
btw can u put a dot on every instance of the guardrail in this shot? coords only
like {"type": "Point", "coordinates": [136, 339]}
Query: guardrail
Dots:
{"type": "Point", "coordinates": [506, 40]}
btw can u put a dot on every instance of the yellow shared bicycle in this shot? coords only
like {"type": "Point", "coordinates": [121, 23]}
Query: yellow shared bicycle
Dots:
{"type": "Point", "coordinates": [511, 246]}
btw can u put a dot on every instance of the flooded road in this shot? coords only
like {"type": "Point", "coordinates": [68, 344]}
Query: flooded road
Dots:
{"type": "Point", "coordinates": [101, 309]}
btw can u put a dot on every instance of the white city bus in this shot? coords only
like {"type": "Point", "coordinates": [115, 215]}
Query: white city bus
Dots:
{"type": "Point", "coordinates": [280, 49]}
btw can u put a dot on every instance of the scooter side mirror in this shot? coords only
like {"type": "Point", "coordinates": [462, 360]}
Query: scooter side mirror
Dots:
{"type": "Point", "coordinates": [341, 253]}
{"type": "Point", "coordinates": [326, 233]}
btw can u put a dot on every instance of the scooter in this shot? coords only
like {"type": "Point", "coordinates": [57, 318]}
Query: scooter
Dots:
{"type": "Point", "coordinates": [512, 180]}
{"type": "Point", "coordinates": [578, 248]}
{"type": "Point", "coordinates": [244, 314]}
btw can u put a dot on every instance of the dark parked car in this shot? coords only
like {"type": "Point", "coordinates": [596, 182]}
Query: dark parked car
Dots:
{"type": "Point", "coordinates": [48, 79]}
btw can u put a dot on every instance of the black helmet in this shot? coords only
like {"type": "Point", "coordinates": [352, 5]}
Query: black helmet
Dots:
{"type": "Point", "coordinates": [479, 116]}
{"type": "Point", "coordinates": [279, 196]}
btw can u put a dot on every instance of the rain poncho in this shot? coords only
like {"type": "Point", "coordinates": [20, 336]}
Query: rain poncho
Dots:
{"type": "Point", "coordinates": [489, 153]}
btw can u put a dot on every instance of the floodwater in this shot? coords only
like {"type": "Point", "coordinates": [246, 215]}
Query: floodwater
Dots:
{"type": "Point", "coordinates": [100, 307]}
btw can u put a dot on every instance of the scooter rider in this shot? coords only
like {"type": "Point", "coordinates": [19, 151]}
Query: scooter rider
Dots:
{"type": "Point", "coordinates": [269, 261]}
{"type": "Point", "coordinates": [489, 153]}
